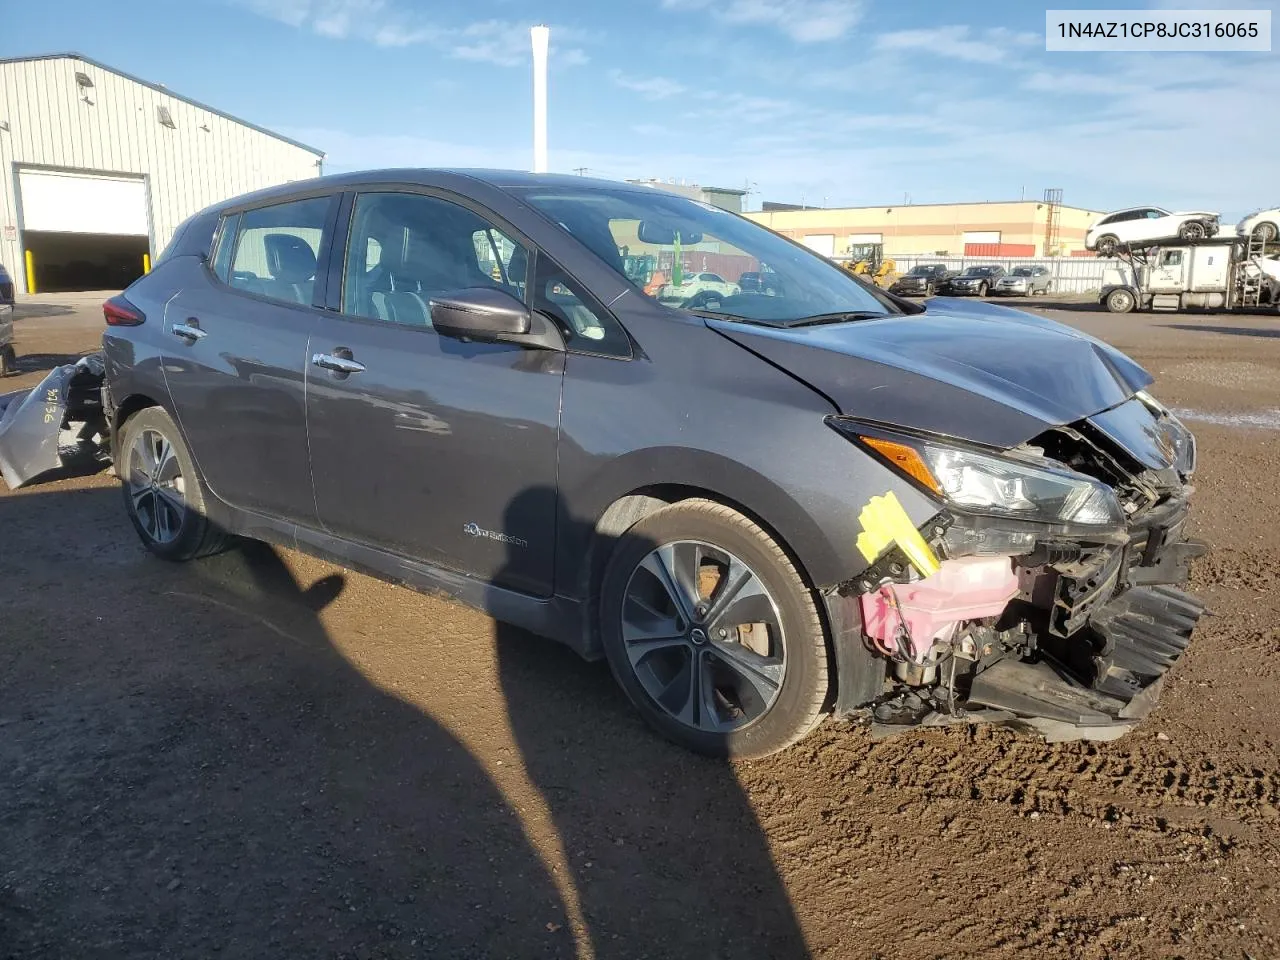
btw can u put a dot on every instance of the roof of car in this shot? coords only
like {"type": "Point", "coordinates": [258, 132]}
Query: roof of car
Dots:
{"type": "Point", "coordinates": [427, 176]}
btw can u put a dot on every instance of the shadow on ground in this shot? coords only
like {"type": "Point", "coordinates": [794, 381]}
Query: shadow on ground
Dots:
{"type": "Point", "coordinates": [24, 309]}
{"type": "Point", "coordinates": [193, 769]}
{"type": "Point", "coordinates": [1226, 331]}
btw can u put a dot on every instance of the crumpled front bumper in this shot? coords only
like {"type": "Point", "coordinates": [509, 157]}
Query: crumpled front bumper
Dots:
{"type": "Point", "coordinates": [41, 430]}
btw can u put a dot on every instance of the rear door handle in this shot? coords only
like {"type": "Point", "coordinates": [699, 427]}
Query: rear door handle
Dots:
{"type": "Point", "coordinates": [337, 364]}
{"type": "Point", "coordinates": [189, 331]}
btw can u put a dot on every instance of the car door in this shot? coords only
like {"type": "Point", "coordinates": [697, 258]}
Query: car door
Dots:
{"type": "Point", "coordinates": [235, 345]}
{"type": "Point", "coordinates": [422, 445]}
{"type": "Point", "coordinates": [1125, 226]}
{"type": "Point", "coordinates": [1167, 273]}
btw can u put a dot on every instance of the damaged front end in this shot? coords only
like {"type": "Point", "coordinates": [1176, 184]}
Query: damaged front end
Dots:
{"type": "Point", "coordinates": [60, 425]}
{"type": "Point", "coordinates": [1046, 593]}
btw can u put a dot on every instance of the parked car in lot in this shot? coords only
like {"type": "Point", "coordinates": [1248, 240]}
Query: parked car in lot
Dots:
{"type": "Point", "coordinates": [696, 283]}
{"type": "Point", "coordinates": [758, 508]}
{"type": "Point", "coordinates": [1148, 225]}
{"type": "Point", "coordinates": [760, 281]}
{"type": "Point", "coordinates": [1263, 225]}
{"type": "Point", "coordinates": [974, 281]}
{"type": "Point", "coordinates": [1024, 282]}
{"type": "Point", "coordinates": [922, 280]}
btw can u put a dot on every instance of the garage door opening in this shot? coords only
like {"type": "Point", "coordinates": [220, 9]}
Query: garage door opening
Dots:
{"type": "Point", "coordinates": [68, 262]}
{"type": "Point", "coordinates": [83, 231]}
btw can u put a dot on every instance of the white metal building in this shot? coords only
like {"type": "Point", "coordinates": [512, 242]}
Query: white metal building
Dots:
{"type": "Point", "coordinates": [99, 168]}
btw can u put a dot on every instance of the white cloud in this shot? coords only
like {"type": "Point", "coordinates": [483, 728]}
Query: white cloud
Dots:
{"type": "Point", "coordinates": [653, 88]}
{"type": "Point", "coordinates": [501, 42]}
{"type": "Point", "coordinates": [960, 42]}
{"type": "Point", "coordinates": [805, 21]}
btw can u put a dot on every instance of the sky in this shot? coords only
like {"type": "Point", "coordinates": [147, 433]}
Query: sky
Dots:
{"type": "Point", "coordinates": [825, 102]}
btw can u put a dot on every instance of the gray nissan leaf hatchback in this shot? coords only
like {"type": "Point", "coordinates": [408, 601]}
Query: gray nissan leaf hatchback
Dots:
{"type": "Point", "coordinates": [761, 502]}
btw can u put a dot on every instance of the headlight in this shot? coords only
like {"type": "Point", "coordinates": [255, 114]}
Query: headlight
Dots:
{"type": "Point", "coordinates": [986, 484]}
{"type": "Point", "coordinates": [1003, 486]}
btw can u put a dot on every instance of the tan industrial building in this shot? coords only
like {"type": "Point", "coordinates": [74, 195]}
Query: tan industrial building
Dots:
{"type": "Point", "coordinates": [1017, 228]}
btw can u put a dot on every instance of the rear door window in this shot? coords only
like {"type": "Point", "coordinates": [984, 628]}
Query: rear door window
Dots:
{"type": "Point", "coordinates": [277, 250]}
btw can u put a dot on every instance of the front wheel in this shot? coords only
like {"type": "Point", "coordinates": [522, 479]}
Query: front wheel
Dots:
{"type": "Point", "coordinates": [982, 290]}
{"type": "Point", "coordinates": [8, 360]}
{"type": "Point", "coordinates": [1121, 301]}
{"type": "Point", "coordinates": [1107, 245]}
{"type": "Point", "coordinates": [162, 491]}
{"type": "Point", "coordinates": [1193, 230]}
{"type": "Point", "coordinates": [1265, 232]}
{"type": "Point", "coordinates": [711, 632]}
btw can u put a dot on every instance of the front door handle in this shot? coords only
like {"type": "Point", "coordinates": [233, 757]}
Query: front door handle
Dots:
{"type": "Point", "coordinates": [337, 364]}
{"type": "Point", "coordinates": [189, 331]}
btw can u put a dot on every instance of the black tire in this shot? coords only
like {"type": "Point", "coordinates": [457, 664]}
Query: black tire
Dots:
{"type": "Point", "coordinates": [193, 535]}
{"type": "Point", "coordinates": [982, 289]}
{"type": "Point", "coordinates": [1193, 230]}
{"type": "Point", "coordinates": [928, 290]}
{"type": "Point", "coordinates": [8, 360]}
{"type": "Point", "coordinates": [1107, 245]}
{"type": "Point", "coordinates": [797, 707]}
{"type": "Point", "coordinates": [1265, 232]}
{"type": "Point", "coordinates": [1121, 301]}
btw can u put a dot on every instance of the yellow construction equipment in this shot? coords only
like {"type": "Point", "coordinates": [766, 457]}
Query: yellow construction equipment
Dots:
{"type": "Point", "coordinates": [880, 272]}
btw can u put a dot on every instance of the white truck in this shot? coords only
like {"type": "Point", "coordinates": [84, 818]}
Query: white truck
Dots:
{"type": "Point", "coordinates": [1228, 273]}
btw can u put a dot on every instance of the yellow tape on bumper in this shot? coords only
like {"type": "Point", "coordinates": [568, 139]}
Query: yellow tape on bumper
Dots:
{"type": "Point", "coordinates": [884, 523]}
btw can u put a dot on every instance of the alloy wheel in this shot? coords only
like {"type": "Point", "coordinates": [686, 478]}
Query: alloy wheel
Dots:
{"type": "Point", "coordinates": [157, 488]}
{"type": "Point", "coordinates": [703, 636]}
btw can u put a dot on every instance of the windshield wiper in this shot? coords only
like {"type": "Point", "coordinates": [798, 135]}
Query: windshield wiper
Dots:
{"type": "Point", "coordinates": [735, 317]}
{"type": "Point", "coordinates": [838, 317]}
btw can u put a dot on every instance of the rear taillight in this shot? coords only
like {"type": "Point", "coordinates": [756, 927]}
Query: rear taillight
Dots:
{"type": "Point", "coordinates": [119, 312]}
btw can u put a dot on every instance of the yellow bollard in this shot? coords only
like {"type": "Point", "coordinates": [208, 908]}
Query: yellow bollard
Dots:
{"type": "Point", "coordinates": [146, 263]}
{"type": "Point", "coordinates": [31, 272]}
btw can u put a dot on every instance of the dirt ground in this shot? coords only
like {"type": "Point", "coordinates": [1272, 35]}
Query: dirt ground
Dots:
{"type": "Point", "coordinates": [261, 755]}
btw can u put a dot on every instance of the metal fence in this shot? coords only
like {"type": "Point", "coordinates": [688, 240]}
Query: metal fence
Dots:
{"type": "Point", "coordinates": [1070, 274]}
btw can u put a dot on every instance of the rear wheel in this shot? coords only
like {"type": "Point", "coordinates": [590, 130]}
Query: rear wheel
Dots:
{"type": "Point", "coordinates": [162, 491]}
{"type": "Point", "coordinates": [712, 633]}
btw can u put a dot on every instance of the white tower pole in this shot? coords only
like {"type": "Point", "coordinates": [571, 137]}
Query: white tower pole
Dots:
{"type": "Point", "coordinates": [541, 36]}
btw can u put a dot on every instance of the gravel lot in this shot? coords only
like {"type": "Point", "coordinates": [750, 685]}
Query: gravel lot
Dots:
{"type": "Point", "coordinates": [261, 755]}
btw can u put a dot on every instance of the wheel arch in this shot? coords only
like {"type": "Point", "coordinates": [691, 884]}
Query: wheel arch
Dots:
{"type": "Point", "coordinates": [705, 476]}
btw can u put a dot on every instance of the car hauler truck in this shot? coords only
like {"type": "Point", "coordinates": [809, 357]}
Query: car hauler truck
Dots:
{"type": "Point", "coordinates": [1227, 273]}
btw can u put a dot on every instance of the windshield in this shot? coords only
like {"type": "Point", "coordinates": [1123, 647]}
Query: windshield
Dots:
{"type": "Point", "coordinates": [979, 271]}
{"type": "Point", "coordinates": [1022, 272]}
{"type": "Point", "coordinates": [703, 258]}
{"type": "Point", "coordinates": [921, 271]}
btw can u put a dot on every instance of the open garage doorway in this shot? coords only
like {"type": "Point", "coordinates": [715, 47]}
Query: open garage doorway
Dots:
{"type": "Point", "coordinates": [81, 230]}
{"type": "Point", "coordinates": [66, 262]}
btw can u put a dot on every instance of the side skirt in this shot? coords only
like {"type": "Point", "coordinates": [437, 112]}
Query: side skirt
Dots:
{"type": "Point", "coordinates": [556, 618]}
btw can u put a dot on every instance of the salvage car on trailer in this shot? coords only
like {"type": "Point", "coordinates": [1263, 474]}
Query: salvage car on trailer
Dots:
{"type": "Point", "coordinates": [759, 508]}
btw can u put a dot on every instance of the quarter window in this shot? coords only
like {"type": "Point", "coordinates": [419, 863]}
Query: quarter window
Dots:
{"type": "Point", "coordinates": [277, 248]}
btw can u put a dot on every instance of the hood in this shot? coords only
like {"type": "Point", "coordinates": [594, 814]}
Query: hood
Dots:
{"type": "Point", "coordinates": [979, 372]}
{"type": "Point", "coordinates": [1194, 213]}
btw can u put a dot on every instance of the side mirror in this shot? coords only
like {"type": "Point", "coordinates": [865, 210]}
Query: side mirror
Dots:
{"type": "Point", "coordinates": [479, 313]}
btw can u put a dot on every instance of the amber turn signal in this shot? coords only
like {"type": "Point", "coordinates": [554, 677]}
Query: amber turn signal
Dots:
{"type": "Point", "coordinates": [905, 458]}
